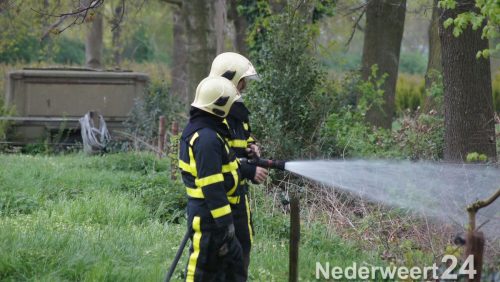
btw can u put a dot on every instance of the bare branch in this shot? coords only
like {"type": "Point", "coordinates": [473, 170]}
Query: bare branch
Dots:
{"type": "Point", "coordinates": [354, 27]}
{"type": "Point", "coordinates": [117, 21]}
{"type": "Point", "coordinates": [473, 208]}
{"type": "Point", "coordinates": [80, 13]}
{"type": "Point", "coordinates": [82, 10]}
{"type": "Point", "coordinates": [175, 2]}
{"type": "Point", "coordinates": [53, 27]}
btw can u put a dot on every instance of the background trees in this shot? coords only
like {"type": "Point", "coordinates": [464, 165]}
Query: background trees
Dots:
{"type": "Point", "coordinates": [468, 102]}
{"type": "Point", "coordinates": [176, 40]}
{"type": "Point", "coordinates": [382, 44]}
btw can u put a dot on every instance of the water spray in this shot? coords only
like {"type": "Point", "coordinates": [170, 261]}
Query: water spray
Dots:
{"type": "Point", "coordinates": [439, 190]}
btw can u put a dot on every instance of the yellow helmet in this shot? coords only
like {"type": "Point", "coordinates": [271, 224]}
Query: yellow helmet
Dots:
{"type": "Point", "coordinates": [233, 66]}
{"type": "Point", "coordinates": [215, 95]}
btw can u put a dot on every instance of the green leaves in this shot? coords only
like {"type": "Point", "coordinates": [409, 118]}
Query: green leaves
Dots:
{"type": "Point", "coordinates": [487, 17]}
{"type": "Point", "coordinates": [291, 100]}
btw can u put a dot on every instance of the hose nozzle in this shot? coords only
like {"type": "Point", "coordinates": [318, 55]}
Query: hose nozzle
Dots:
{"type": "Point", "coordinates": [265, 163]}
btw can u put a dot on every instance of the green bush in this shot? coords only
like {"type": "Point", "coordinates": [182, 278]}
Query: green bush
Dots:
{"type": "Point", "coordinates": [143, 119]}
{"type": "Point", "coordinates": [496, 92]}
{"type": "Point", "coordinates": [420, 137]}
{"type": "Point", "coordinates": [68, 51]}
{"type": "Point", "coordinates": [346, 132]}
{"type": "Point", "coordinates": [28, 48]}
{"type": "Point", "coordinates": [410, 93]}
{"type": "Point", "coordinates": [25, 48]}
{"type": "Point", "coordinates": [412, 63]}
{"type": "Point", "coordinates": [4, 125]}
{"type": "Point", "coordinates": [290, 101]}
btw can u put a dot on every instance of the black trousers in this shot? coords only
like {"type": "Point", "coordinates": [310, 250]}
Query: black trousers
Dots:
{"type": "Point", "coordinates": [243, 226]}
{"type": "Point", "coordinates": [213, 257]}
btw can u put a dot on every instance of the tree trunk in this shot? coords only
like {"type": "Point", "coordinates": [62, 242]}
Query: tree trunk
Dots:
{"type": "Point", "coordinates": [434, 60]}
{"type": "Point", "coordinates": [468, 102]}
{"type": "Point", "coordinates": [116, 31]}
{"type": "Point", "coordinates": [179, 73]}
{"type": "Point", "coordinates": [201, 38]}
{"type": "Point", "coordinates": [240, 28]}
{"type": "Point", "coordinates": [93, 42]}
{"type": "Point", "coordinates": [47, 40]}
{"type": "Point", "coordinates": [220, 24]}
{"type": "Point", "coordinates": [382, 44]}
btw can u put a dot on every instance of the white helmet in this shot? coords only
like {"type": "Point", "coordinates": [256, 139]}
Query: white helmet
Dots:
{"type": "Point", "coordinates": [233, 66]}
{"type": "Point", "coordinates": [215, 95]}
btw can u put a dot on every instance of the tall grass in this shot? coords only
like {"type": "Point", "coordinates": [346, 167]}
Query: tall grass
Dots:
{"type": "Point", "coordinates": [120, 218]}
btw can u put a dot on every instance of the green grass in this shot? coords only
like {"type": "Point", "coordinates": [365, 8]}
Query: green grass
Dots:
{"type": "Point", "coordinates": [119, 218]}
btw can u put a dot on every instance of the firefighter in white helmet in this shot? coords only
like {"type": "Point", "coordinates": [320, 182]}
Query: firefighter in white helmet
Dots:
{"type": "Point", "coordinates": [238, 69]}
{"type": "Point", "coordinates": [211, 174]}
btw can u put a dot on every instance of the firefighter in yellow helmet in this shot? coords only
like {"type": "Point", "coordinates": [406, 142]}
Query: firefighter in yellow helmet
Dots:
{"type": "Point", "coordinates": [238, 69]}
{"type": "Point", "coordinates": [211, 175]}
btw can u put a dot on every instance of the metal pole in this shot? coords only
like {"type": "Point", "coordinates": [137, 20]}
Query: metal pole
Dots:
{"type": "Point", "coordinates": [475, 247]}
{"type": "Point", "coordinates": [294, 238]}
{"type": "Point", "coordinates": [475, 239]}
{"type": "Point", "coordinates": [173, 150]}
{"type": "Point", "coordinates": [161, 136]}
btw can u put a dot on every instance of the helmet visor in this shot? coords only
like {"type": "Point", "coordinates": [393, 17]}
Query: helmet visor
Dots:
{"type": "Point", "coordinates": [250, 73]}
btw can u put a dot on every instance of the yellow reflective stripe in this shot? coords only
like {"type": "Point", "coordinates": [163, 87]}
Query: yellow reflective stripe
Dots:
{"type": "Point", "coordinates": [236, 178]}
{"type": "Point", "coordinates": [195, 193]}
{"type": "Point", "coordinates": [249, 220]}
{"type": "Point", "coordinates": [192, 163]}
{"type": "Point", "coordinates": [233, 199]}
{"type": "Point", "coordinates": [193, 138]}
{"type": "Point", "coordinates": [193, 258]}
{"type": "Point", "coordinates": [250, 140]}
{"type": "Point", "coordinates": [198, 193]}
{"type": "Point", "coordinates": [230, 166]}
{"type": "Point", "coordinates": [205, 181]}
{"type": "Point", "coordinates": [238, 143]}
{"type": "Point", "coordinates": [187, 167]}
{"type": "Point", "coordinates": [245, 126]}
{"type": "Point", "coordinates": [222, 211]}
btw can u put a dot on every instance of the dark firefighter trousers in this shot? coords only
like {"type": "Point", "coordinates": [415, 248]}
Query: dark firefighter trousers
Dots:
{"type": "Point", "coordinates": [213, 257]}
{"type": "Point", "coordinates": [244, 228]}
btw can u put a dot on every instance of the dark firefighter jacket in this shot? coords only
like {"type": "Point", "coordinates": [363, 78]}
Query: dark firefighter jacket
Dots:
{"type": "Point", "coordinates": [210, 170]}
{"type": "Point", "coordinates": [239, 128]}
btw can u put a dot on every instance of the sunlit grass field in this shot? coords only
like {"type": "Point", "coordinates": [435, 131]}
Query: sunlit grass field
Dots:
{"type": "Point", "coordinates": [120, 218]}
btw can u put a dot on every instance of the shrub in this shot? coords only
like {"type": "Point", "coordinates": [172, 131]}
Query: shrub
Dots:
{"type": "Point", "coordinates": [68, 51]}
{"type": "Point", "coordinates": [496, 92]}
{"type": "Point", "coordinates": [143, 118]}
{"type": "Point", "coordinates": [410, 93]}
{"type": "Point", "coordinates": [412, 63]}
{"type": "Point", "coordinates": [346, 133]}
{"type": "Point", "coordinates": [290, 100]}
{"type": "Point", "coordinates": [4, 125]}
{"type": "Point", "coordinates": [420, 136]}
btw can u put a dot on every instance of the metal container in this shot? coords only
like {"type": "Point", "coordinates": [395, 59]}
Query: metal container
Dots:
{"type": "Point", "coordinates": [50, 100]}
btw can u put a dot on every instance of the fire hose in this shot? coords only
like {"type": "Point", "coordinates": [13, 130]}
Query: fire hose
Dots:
{"type": "Point", "coordinates": [256, 161]}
